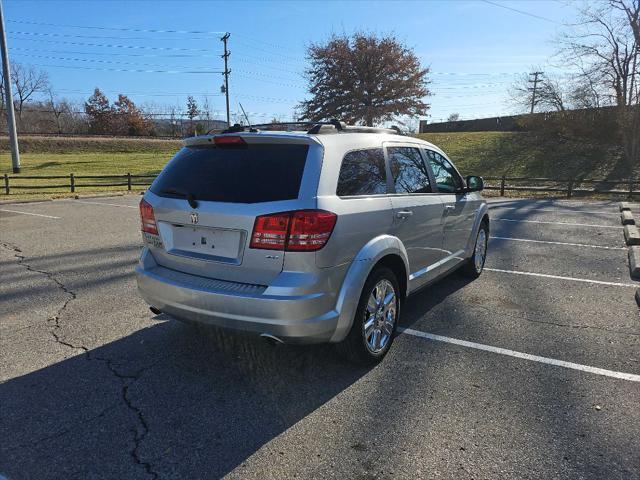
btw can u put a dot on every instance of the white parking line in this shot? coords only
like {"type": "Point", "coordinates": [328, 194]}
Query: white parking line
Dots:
{"type": "Point", "coordinates": [28, 213]}
{"type": "Point", "coordinates": [556, 223]}
{"type": "Point", "coordinates": [525, 356]}
{"type": "Point", "coordinates": [558, 243]}
{"type": "Point", "coordinates": [103, 203]}
{"type": "Point", "coordinates": [557, 277]}
{"type": "Point", "coordinates": [536, 210]}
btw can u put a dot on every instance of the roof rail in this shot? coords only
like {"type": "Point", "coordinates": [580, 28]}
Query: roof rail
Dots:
{"type": "Point", "coordinates": [313, 128]}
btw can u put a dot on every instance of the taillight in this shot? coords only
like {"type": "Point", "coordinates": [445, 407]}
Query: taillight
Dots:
{"type": "Point", "coordinates": [301, 230]}
{"type": "Point", "coordinates": [147, 217]}
{"type": "Point", "coordinates": [310, 229]}
{"type": "Point", "coordinates": [270, 231]}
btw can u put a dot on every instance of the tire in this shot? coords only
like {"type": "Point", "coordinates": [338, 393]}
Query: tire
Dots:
{"type": "Point", "coordinates": [367, 343]}
{"type": "Point", "coordinates": [474, 266]}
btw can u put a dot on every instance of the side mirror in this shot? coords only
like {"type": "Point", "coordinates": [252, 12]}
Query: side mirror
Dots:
{"type": "Point", "coordinates": [474, 183]}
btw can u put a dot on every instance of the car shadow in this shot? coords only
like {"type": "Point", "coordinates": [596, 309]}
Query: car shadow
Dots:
{"type": "Point", "coordinates": [216, 397]}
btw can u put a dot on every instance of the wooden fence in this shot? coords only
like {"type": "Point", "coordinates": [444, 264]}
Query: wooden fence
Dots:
{"type": "Point", "coordinates": [565, 187]}
{"type": "Point", "coordinates": [73, 182]}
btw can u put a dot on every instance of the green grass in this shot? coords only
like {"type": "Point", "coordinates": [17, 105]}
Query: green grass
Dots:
{"type": "Point", "coordinates": [83, 156]}
{"type": "Point", "coordinates": [480, 153]}
{"type": "Point", "coordinates": [526, 155]}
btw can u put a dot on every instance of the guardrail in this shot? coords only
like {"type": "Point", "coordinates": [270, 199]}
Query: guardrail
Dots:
{"type": "Point", "coordinates": [74, 182]}
{"type": "Point", "coordinates": [568, 187]}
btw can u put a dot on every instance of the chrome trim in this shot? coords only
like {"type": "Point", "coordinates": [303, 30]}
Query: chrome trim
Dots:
{"type": "Point", "coordinates": [459, 255]}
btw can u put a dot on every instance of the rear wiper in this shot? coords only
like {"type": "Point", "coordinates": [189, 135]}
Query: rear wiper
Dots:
{"type": "Point", "coordinates": [189, 196]}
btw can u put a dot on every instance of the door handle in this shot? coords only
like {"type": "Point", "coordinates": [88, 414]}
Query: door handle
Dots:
{"type": "Point", "coordinates": [449, 207]}
{"type": "Point", "coordinates": [404, 213]}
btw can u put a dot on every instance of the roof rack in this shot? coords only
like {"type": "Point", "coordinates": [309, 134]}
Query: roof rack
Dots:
{"type": "Point", "coordinates": [312, 128]}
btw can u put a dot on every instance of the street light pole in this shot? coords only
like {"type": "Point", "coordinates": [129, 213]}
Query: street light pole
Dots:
{"type": "Point", "coordinates": [11, 117]}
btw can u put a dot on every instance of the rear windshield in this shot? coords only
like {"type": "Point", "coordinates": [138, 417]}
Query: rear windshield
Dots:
{"type": "Point", "coordinates": [253, 174]}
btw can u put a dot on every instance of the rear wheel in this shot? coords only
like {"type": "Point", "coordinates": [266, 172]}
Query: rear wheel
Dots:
{"type": "Point", "coordinates": [474, 266]}
{"type": "Point", "coordinates": [376, 319]}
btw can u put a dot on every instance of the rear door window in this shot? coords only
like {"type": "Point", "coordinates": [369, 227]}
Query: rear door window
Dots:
{"type": "Point", "coordinates": [362, 173]}
{"type": "Point", "coordinates": [409, 171]}
{"type": "Point", "coordinates": [252, 174]}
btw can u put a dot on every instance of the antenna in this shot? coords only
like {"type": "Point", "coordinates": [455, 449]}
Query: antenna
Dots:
{"type": "Point", "coordinates": [245, 115]}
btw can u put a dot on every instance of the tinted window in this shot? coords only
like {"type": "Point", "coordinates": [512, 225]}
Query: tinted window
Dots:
{"type": "Point", "coordinates": [362, 173]}
{"type": "Point", "coordinates": [408, 170]}
{"type": "Point", "coordinates": [256, 173]}
{"type": "Point", "coordinates": [447, 179]}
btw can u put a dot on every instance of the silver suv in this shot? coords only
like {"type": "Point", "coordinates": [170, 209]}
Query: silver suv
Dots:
{"type": "Point", "coordinates": [307, 236]}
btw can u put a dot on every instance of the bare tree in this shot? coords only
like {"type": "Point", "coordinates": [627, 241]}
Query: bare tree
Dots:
{"type": "Point", "coordinates": [57, 109]}
{"type": "Point", "coordinates": [631, 9]}
{"type": "Point", "coordinates": [604, 46]}
{"type": "Point", "coordinates": [27, 81]}
{"type": "Point", "coordinates": [454, 117]}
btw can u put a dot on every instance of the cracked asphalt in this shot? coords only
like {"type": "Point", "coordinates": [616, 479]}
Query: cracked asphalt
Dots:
{"type": "Point", "coordinates": [94, 386]}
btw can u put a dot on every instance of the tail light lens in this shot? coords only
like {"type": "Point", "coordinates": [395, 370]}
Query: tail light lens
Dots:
{"type": "Point", "coordinates": [302, 230]}
{"type": "Point", "coordinates": [147, 218]}
{"type": "Point", "coordinates": [270, 231]}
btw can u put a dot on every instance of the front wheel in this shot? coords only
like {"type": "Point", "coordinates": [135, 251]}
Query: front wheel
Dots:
{"type": "Point", "coordinates": [474, 266]}
{"type": "Point", "coordinates": [376, 319]}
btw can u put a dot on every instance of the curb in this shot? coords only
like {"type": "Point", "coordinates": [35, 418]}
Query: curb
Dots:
{"type": "Point", "coordinates": [625, 206]}
{"type": "Point", "coordinates": [634, 262]}
{"type": "Point", "coordinates": [627, 218]}
{"type": "Point", "coordinates": [39, 200]}
{"type": "Point", "coordinates": [70, 197]}
{"type": "Point", "coordinates": [98, 195]}
{"type": "Point", "coordinates": [631, 235]}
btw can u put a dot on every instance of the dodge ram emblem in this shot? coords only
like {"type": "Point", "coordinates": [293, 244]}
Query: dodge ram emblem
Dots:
{"type": "Point", "coordinates": [194, 217]}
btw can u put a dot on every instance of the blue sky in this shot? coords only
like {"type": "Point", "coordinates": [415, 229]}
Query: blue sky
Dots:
{"type": "Point", "coordinates": [473, 47]}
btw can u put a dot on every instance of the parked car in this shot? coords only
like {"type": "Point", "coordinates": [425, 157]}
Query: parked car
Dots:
{"type": "Point", "coordinates": [308, 236]}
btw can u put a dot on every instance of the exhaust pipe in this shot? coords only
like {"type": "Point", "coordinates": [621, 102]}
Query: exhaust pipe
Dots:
{"type": "Point", "coordinates": [155, 311]}
{"type": "Point", "coordinates": [271, 339]}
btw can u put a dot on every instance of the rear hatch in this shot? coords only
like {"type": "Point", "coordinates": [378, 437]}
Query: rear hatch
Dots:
{"type": "Point", "coordinates": [207, 198]}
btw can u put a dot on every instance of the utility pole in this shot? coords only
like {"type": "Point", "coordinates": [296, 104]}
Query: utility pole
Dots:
{"type": "Point", "coordinates": [535, 88]}
{"type": "Point", "coordinates": [11, 117]}
{"type": "Point", "coordinates": [226, 73]}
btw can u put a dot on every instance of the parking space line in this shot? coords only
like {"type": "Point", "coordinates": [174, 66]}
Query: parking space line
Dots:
{"type": "Point", "coordinates": [104, 203]}
{"type": "Point", "coordinates": [556, 223]}
{"type": "Point", "coordinates": [557, 277]}
{"type": "Point", "coordinates": [28, 213]}
{"type": "Point", "coordinates": [550, 210]}
{"type": "Point", "coordinates": [525, 356]}
{"type": "Point", "coordinates": [558, 243]}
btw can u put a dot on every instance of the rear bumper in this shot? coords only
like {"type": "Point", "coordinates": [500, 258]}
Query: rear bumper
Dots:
{"type": "Point", "coordinates": [294, 317]}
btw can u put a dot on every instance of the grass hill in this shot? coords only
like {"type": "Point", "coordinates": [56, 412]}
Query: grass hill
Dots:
{"type": "Point", "coordinates": [480, 153]}
{"type": "Point", "coordinates": [523, 154]}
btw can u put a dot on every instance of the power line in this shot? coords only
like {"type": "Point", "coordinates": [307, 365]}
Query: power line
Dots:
{"type": "Point", "coordinates": [90, 60]}
{"type": "Point", "coordinates": [115, 54]}
{"type": "Point", "coordinates": [99, 37]}
{"type": "Point", "coordinates": [124, 70]}
{"type": "Point", "coordinates": [271, 81]}
{"type": "Point", "coordinates": [105, 45]}
{"type": "Point", "coordinates": [95, 27]}
{"type": "Point", "coordinates": [539, 17]}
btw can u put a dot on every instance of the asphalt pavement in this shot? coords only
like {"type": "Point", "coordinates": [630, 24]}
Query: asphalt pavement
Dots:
{"type": "Point", "coordinates": [531, 371]}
